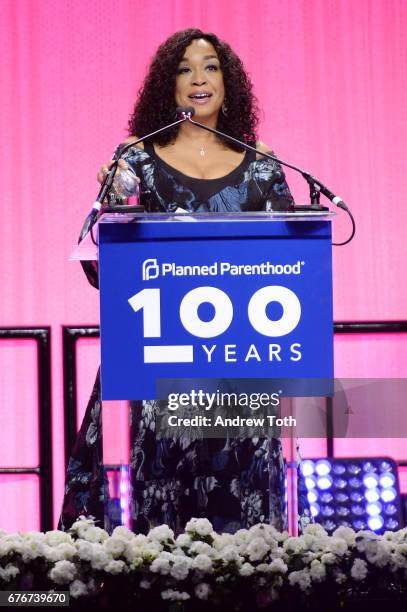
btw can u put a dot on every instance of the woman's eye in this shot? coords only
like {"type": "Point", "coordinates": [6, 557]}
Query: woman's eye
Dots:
{"type": "Point", "coordinates": [213, 67]}
{"type": "Point", "coordinates": [183, 70]}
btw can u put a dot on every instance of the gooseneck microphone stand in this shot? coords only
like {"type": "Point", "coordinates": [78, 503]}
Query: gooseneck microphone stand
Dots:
{"type": "Point", "coordinates": [315, 186]}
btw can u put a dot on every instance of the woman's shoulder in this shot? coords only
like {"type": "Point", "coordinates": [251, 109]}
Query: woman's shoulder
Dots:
{"type": "Point", "coordinates": [261, 146]}
{"type": "Point", "coordinates": [132, 139]}
{"type": "Point", "coordinates": [137, 153]}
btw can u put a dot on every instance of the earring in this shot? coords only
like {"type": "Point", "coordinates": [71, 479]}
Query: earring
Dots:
{"type": "Point", "coordinates": [224, 109]}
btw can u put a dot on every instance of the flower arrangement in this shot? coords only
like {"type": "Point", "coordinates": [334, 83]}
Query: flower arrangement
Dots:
{"type": "Point", "coordinates": [201, 569]}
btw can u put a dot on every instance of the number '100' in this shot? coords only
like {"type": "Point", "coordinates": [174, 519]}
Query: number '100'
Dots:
{"type": "Point", "coordinates": [148, 300]}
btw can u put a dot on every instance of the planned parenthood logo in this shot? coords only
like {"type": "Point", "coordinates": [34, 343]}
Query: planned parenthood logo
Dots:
{"type": "Point", "coordinates": [151, 269]}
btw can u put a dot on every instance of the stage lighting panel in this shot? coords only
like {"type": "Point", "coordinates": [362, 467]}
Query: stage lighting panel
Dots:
{"type": "Point", "coordinates": [358, 492]}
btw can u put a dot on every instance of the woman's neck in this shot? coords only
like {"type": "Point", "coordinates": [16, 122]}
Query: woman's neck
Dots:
{"type": "Point", "coordinates": [189, 132]}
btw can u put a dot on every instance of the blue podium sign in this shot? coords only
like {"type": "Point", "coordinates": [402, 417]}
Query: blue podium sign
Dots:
{"type": "Point", "coordinates": [213, 296]}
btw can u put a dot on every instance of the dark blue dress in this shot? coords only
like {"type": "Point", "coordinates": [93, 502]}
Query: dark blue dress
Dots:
{"type": "Point", "coordinates": [235, 483]}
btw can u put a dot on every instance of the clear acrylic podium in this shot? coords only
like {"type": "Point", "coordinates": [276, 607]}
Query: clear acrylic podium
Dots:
{"type": "Point", "coordinates": [202, 297]}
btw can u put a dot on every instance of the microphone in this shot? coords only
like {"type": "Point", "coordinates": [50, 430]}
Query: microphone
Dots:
{"type": "Point", "coordinates": [185, 112]}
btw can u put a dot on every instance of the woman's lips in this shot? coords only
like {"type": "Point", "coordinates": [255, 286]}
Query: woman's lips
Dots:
{"type": "Point", "coordinates": [200, 101]}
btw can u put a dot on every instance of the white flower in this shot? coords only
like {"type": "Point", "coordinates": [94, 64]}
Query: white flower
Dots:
{"type": "Point", "coordinates": [401, 548]}
{"type": "Point", "coordinates": [151, 551]}
{"type": "Point", "coordinates": [145, 584]}
{"type": "Point", "coordinates": [161, 533]}
{"type": "Point", "coordinates": [84, 549]}
{"type": "Point", "coordinates": [200, 526]}
{"type": "Point", "coordinates": [337, 546]}
{"type": "Point", "coordinates": [32, 548]}
{"type": "Point", "coordinates": [264, 567]}
{"type": "Point", "coordinates": [67, 551]}
{"type": "Point", "coordinates": [160, 566]}
{"type": "Point", "coordinates": [34, 536]}
{"type": "Point", "coordinates": [317, 571]}
{"type": "Point", "coordinates": [328, 558]}
{"type": "Point", "coordinates": [180, 568]}
{"type": "Point", "coordinates": [293, 545]}
{"type": "Point", "coordinates": [80, 527]}
{"type": "Point", "coordinates": [278, 565]}
{"type": "Point", "coordinates": [230, 554]}
{"type": "Point", "coordinates": [315, 529]}
{"type": "Point", "coordinates": [363, 538]}
{"type": "Point", "coordinates": [202, 563]}
{"type": "Point", "coordinates": [389, 536]}
{"type": "Point", "coordinates": [8, 572]}
{"type": "Point", "coordinates": [380, 555]}
{"type": "Point", "coordinates": [133, 552]}
{"type": "Point", "coordinates": [309, 542]}
{"type": "Point", "coordinates": [140, 539]}
{"type": "Point", "coordinates": [346, 533]}
{"type": "Point", "coordinates": [77, 589]}
{"type": "Point", "coordinates": [222, 540]}
{"type": "Point", "coordinates": [115, 567]}
{"type": "Point", "coordinates": [63, 572]}
{"type": "Point", "coordinates": [301, 578]}
{"type": "Point", "coordinates": [114, 546]}
{"type": "Point", "coordinates": [201, 548]}
{"type": "Point", "coordinates": [173, 595]}
{"type": "Point", "coordinates": [241, 537]}
{"type": "Point", "coordinates": [94, 534]}
{"type": "Point", "coordinates": [202, 590]}
{"type": "Point", "coordinates": [167, 555]}
{"type": "Point", "coordinates": [246, 570]}
{"type": "Point", "coordinates": [398, 561]}
{"type": "Point", "coordinates": [359, 569]}
{"type": "Point", "coordinates": [122, 533]}
{"type": "Point", "coordinates": [183, 540]}
{"type": "Point", "coordinates": [99, 557]}
{"type": "Point", "coordinates": [257, 549]}
{"type": "Point", "coordinates": [11, 543]}
{"type": "Point", "coordinates": [53, 538]}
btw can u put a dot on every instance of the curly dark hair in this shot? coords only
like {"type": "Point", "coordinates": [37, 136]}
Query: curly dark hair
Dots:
{"type": "Point", "coordinates": [155, 105]}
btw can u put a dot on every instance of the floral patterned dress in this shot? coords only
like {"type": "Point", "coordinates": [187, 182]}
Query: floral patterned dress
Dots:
{"type": "Point", "coordinates": [235, 483]}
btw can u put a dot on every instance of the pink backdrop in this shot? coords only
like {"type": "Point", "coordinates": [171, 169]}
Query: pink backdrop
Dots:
{"type": "Point", "coordinates": [331, 77]}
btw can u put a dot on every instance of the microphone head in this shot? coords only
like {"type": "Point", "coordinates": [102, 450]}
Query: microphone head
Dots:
{"type": "Point", "coordinates": [185, 112]}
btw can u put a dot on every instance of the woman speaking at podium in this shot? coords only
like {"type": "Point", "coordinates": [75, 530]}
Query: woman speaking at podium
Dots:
{"type": "Point", "coordinates": [234, 483]}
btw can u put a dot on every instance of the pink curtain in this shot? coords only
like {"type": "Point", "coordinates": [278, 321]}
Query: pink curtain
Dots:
{"type": "Point", "coordinates": [331, 78]}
